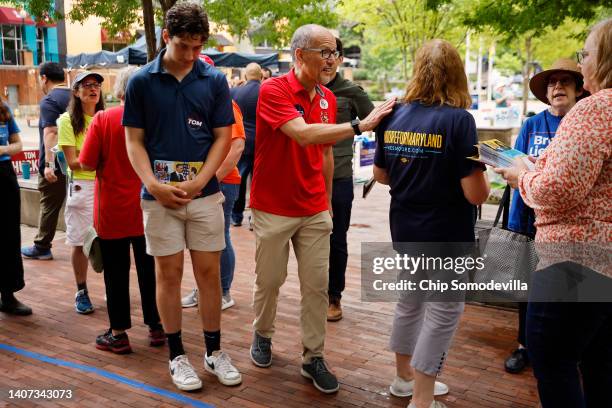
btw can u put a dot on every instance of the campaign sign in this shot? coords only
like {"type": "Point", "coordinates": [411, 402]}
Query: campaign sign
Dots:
{"type": "Point", "coordinates": [366, 153]}
{"type": "Point", "coordinates": [30, 156]}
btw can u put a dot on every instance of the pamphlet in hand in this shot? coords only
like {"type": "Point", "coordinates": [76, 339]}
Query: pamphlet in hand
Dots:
{"type": "Point", "coordinates": [175, 172]}
{"type": "Point", "coordinates": [61, 159]}
{"type": "Point", "coordinates": [498, 154]}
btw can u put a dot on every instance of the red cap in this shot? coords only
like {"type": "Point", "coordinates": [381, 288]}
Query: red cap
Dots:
{"type": "Point", "coordinates": [205, 58]}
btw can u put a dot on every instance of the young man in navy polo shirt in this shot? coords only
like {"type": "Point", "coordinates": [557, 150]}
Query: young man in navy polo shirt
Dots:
{"type": "Point", "coordinates": [178, 110]}
{"type": "Point", "coordinates": [291, 194]}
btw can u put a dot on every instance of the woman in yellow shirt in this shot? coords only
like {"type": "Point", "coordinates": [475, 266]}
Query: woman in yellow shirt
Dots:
{"type": "Point", "coordinates": [72, 126]}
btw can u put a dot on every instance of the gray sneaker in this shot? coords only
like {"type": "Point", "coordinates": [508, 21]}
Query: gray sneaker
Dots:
{"type": "Point", "coordinates": [322, 378]}
{"type": "Point", "coordinates": [227, 301]}
{"type": "Point", "coordinates": [261, 351]}
{"type": "Point", "coordinates": [191, 300]}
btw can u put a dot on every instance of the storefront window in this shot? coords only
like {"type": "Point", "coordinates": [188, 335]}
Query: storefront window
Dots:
{"type": "Point", "coordinates": [11, 44]}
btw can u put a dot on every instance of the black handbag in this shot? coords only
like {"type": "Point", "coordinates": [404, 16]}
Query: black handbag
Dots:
{"type": "Point", "coordinates": [508, 257]}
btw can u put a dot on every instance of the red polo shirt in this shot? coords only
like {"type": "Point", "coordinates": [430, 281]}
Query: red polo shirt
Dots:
{"type": "Point", "coordinates": [287, 178]}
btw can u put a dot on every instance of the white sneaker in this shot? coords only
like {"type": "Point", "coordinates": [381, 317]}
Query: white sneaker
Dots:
{"type": "Point", "coordinates": [183, 374]}
{"type": "Point", "coordinates": [403, 388]}
{"type": "Point", "coordinates": [191, 300]}
{"type": "Point", "coordinates": [227, 302]}
{"type": "Point", "coordinates": [220, 364]}
{"type": "Point", "coordinates": [435, 404]}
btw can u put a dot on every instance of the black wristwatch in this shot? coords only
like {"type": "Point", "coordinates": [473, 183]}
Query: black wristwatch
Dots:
{"type": "Point", "coordinates": [355, 124]}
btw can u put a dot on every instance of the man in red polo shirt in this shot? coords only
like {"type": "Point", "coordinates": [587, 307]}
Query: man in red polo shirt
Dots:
{"type": "Point", "coordinates": [291, 193]}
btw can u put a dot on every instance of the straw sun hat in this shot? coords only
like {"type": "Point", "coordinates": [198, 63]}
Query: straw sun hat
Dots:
{"type": "Point", "coordinates": [539, 82]}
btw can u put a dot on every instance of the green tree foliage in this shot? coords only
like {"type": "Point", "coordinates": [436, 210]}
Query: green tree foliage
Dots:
{"type": "Point", "coordinates": [533, 26]}
{"type": "Point", "coordinates": [120, 15]}
{"type": "Point", "coordinates": [38, 9]}
{"type": "Point", "coordinates": [402, 26]}
{"type": "Point", "coordinates": [550, 45]}
{"type": "Point", "coordinates": [511, 18]}
{"type": "Point", "coordinates": [273, 21]}
{"type": "Point", "coordinates": [116, 15]}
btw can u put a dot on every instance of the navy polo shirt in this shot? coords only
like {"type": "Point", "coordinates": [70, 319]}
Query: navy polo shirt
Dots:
{"type": "Point", "coordinates": [424, 150]}
{"type": "Point", "coordinates": [178, 118]}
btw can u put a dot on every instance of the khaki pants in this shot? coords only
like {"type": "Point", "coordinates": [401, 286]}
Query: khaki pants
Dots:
{"type": "Point", "coordinates": [310, 239]}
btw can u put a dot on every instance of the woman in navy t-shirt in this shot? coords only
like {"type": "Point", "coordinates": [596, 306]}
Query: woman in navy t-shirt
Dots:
{"type": "Point", "coordinates": [11, 272]}
{"type": "Point", "coordinates": [422, 150]}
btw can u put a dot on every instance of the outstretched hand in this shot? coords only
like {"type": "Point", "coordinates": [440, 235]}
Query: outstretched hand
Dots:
{"type": "Point", "coordinates": [377, 114]}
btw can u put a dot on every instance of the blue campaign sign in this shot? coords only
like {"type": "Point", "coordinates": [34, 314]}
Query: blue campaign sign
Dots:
{"type": "Point", "coordinates": [366, 153]}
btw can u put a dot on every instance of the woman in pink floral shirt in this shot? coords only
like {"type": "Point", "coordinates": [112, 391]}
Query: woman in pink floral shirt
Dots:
{"type": "Point", "coordinates": [571, 193]}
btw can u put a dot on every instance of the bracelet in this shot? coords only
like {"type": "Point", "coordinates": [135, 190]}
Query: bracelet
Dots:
{"type": "Point", "coordinates": [50, 165]}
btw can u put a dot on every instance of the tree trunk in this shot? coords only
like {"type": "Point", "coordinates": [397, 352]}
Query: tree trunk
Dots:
{"type": "Point", "coordinates": [166, 5]}
{"type": "Point", "coordinates": [526, 72]}
{"type": "Point", "coordinates": [149, 24]}
{"type": "Point", "coordinates": [61, 33]}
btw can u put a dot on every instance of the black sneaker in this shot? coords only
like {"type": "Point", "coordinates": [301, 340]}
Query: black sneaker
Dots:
{"type": "Point", "coordinates": [323, 379]}
{"type": "Point", "coordinates": [118, 345]}
{"type": "Point", "coordinates": [517, 361]}
{"type": "Point", "coordinates": [261, 351]}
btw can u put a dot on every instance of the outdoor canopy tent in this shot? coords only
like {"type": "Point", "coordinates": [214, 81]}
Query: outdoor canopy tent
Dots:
{"type": "Point", "coordinates": [136, 54]}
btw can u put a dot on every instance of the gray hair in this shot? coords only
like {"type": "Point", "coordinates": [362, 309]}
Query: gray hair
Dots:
{"type": "Point", "coordinates": [303, 36]}
{"type": "Point", "coordinates": [122, 79]}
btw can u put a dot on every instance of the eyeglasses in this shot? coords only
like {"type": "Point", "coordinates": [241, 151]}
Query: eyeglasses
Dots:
{"type": "Point", "coordinates": [325, 53]}
{"type": "Point", "coordinates": [552, 82]}
{"type": "Point", "coordinates": [581, 55]}
{"type": "Point", "coordinates": [91, 85]}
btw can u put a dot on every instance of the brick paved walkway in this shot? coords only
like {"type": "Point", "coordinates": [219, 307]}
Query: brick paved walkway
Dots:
{"type": "Point", "coordinates": [356, 346]}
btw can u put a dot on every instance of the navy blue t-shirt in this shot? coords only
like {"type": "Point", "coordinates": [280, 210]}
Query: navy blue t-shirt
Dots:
{"type": "Point", "coordinates": [51, 106]}
{"type": "Point", "coordinates": [178, 118]}
{"type": "Point", "coordinates": [6, 130]}
{"type": "Point", "coordinates": [535, 135]}
{"type": "Point", "coordinates": [246, 97]}
{"type": "Point", "coordinates": [424, 149]}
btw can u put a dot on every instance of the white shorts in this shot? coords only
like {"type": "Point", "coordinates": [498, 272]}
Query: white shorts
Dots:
{"type": "Point", "coordinates": [79, 211]}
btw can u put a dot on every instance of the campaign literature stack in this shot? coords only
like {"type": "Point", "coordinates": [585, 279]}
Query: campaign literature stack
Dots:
{"type": "Point", "coordinates": [498, 154]}
{"type": "Point", "coordinates": [173, 173]}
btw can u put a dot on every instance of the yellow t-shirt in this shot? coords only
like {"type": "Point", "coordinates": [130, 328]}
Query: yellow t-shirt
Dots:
{"type": "Point", "coordinates": [66, 137]}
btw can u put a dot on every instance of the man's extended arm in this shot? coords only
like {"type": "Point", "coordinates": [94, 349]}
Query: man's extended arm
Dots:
{"type": "Point", "coordinates": [306, 134]}
{"type": "Point", "coordinates": [50, 140]}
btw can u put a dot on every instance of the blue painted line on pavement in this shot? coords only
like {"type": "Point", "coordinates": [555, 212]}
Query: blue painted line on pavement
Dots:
{"type": "Point", "coordinates": [107, 374]}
